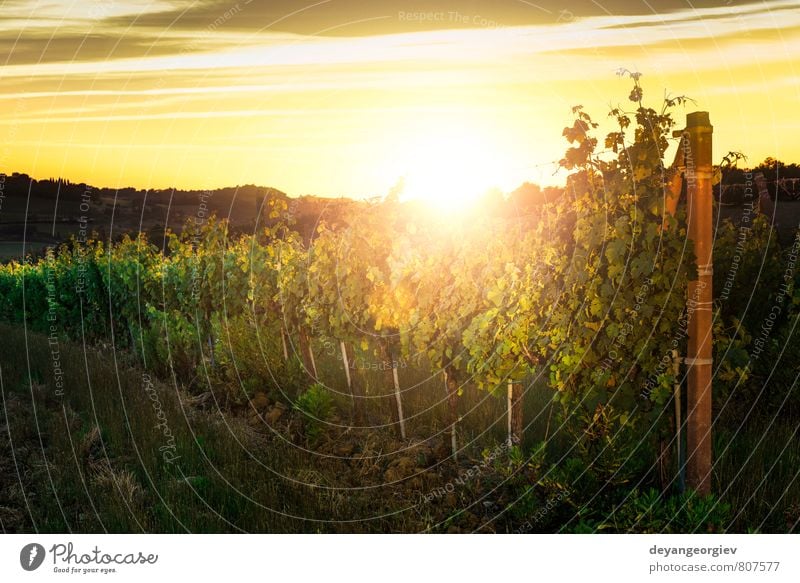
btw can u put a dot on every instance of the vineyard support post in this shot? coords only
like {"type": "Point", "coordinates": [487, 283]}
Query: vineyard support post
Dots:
{"type": "Point", "coordinates": [283, 343]}
{"type": "Point", "coordinates": [514, 404]}
{"type": "Point", "coordinates": [676, 369]}
{"type": "Point", "coordinates": [451, 387]}
{"type": "Point", "coordinates": [311, 358]}
{"type": "Point", "coordinates": [509, 401]}
{"type": "Point", "coordinates": [307, 356]}
{"type": "Point", "coordinates": [389, 364]}
{"type": "Point", "coordinates": [346, 363]}
{"type": "Point", "coordinates": [398, 396]}
{"type": "Point", "coordinates": [354, 383]}
{"type": "Point", "coordinates": [699, 355]}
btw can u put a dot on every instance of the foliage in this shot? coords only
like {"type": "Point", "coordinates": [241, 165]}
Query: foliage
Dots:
{"type": "Point", "coordinates": [619, 314]}
{"type": "Point", "coordinates": [317, 404]}
{"type": "Point", "coordinates": [649, 512]}
{"type": "Point", "coordinates": [757, 304]}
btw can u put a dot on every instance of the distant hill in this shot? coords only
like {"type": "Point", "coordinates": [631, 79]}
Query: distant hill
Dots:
{"type": "Point", "coordinates": [44, 212]}
{"type": "Point", "coordinates": [35, 213]}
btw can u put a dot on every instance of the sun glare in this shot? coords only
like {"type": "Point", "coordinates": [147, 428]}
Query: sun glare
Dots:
{"type": "Point", "coordinates": [450, 168]}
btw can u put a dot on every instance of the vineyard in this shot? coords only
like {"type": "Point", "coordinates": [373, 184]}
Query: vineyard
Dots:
{"type": "Point", "coordinates": [540, 347]}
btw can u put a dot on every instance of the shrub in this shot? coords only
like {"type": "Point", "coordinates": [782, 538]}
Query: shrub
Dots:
{"type": "Point", "coordinates": [317, 405]}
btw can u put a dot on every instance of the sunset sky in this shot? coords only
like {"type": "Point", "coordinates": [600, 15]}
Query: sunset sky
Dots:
{"type": "Point", "coordinates": [343, 97]}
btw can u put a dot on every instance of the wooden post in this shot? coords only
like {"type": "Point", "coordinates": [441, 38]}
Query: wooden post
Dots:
{"type": "Point", "coordinates": [765, 205]}
{"type": "Point", "coordinates": [311, 358]}
{"type": "Point", "coordinates": [307, 355]}
{"type": "Point", "coordinates": [509, 402]}
{"type": "Point", "coordinates": [672, 192]}
{"type": "Point", "coordinates": [698, 359]}
{"type": "Point", "coordinates": [388, 359]}
{"type": "Point", "coordinates": [676, 369]}
{"type": "Point", "coordinates": [354, 386]}
{"type": "Point", "coordinates": [451, 386]}
{"type": "Point", "coordinates": [283, 342]}
{"type": "Point", "coordinates": [346, 363]}
{"type": "Point", "coordinates": [399, 399]}
{"type": "Point", "coordinates": [514, 405]}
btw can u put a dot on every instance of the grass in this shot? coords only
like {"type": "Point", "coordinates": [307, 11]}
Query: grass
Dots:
{"type": "Point", "coordinates": [94, 460]}
{"type": "Point", "coordinates": [758, 473]}
{"type": "Point", "coordinates": [123, 452]}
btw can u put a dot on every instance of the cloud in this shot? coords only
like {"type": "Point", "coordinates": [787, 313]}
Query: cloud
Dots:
{"type": "Point", "coordinates": [370, 18]}
{"type": "Point", "coordinates": [93, 46]}
{"type": "Point", "coordinates": [131, 32]}
{"type": "Point", "coordinates": [217, 52]}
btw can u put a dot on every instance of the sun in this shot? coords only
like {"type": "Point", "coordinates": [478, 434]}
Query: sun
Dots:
{"type": "Point", "coordinates": [449, 168]}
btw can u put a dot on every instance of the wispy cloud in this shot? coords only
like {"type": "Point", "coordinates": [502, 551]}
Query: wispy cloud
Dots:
{"type": "Point", "coordinates": [99, 54]}
{"type": "Point", "coordinates": [283, 76]}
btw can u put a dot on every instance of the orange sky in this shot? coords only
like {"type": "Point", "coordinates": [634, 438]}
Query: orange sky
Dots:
{"type": "Point", "coordinates": [344, 98]}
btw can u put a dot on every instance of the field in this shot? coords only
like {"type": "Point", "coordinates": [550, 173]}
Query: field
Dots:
{"type": "Point", "coordinates": [94, 461]}
{"type": "Point", "coordinates": [786, 220]}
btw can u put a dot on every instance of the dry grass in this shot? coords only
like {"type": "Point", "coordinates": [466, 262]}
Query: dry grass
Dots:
{"type": "Point", "coordinates": [111, 456]}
